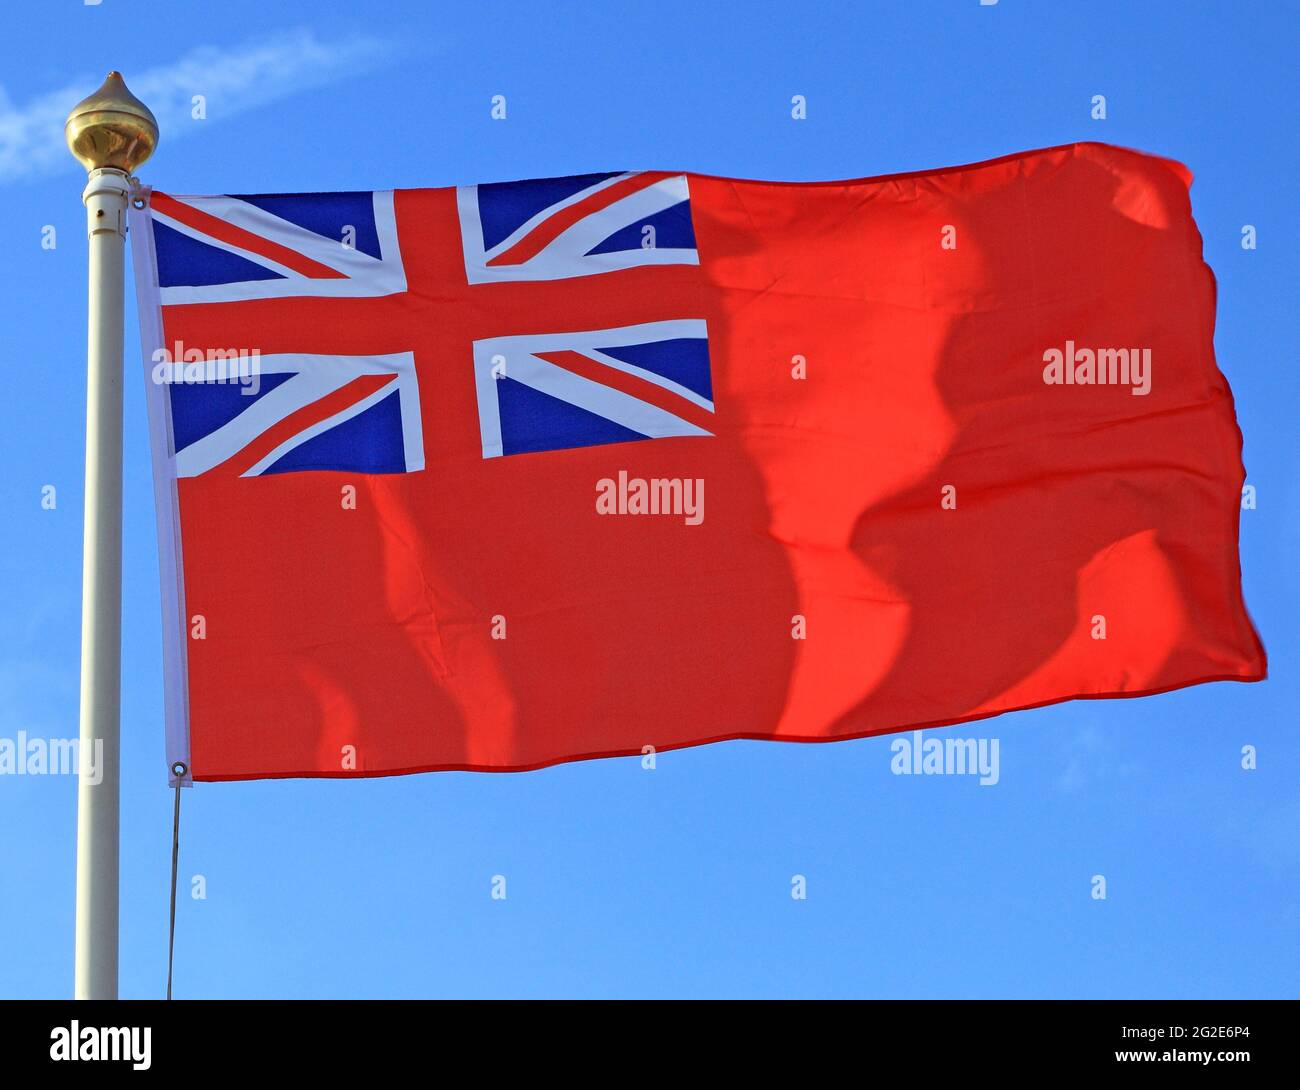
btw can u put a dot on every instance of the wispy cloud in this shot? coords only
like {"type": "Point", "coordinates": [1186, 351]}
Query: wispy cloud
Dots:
{"type": "Point", "coordinates": [232, 80]}
{"type": "Point", "coordinates": [1091, 757]}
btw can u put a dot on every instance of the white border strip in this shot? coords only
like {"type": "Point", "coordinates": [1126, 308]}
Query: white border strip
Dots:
{"type": "Point", "coordinates": [171, 569]}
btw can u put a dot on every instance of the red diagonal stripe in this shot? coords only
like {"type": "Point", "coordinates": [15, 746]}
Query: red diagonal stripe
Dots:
{"type": "Point", "coordinates": [304, 418]}
{"type": "Point", "coordinates": [630, 384]}
{"type": "Point", "coordinates": [245, 240]}
{"type": "Point", "coordinates": [549, 229]}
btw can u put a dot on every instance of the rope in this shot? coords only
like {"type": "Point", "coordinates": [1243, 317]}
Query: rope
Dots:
{"type": "Point", "coordinates": [178, 770]}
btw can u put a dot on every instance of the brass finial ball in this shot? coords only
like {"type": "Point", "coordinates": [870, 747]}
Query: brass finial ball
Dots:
{"type": "Point", "coordinates": [111, 128]}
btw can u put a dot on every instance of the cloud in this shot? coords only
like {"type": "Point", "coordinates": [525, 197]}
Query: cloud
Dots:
{"type": "Point", "coordinates": [1091, 757]}
{"type": "Point", "coordinates": [233, 80]}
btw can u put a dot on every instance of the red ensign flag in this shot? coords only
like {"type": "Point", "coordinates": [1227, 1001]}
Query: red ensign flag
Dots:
{"type": "Point", "coordinates": [511, 474]}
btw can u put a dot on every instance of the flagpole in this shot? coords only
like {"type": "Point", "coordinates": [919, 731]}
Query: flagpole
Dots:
{"type": "Point", "coordinates": [110, 133]}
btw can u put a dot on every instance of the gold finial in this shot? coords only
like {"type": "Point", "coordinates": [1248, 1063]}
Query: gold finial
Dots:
{"type": "Point", "coordinates": [111, 128]}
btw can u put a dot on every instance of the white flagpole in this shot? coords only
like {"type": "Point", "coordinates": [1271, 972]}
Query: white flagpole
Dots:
{"type": "Point", "coordinates": [110, 133]}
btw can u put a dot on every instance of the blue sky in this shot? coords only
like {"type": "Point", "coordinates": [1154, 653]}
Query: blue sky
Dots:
{"type": "Point", "coordinates": [621, 881]}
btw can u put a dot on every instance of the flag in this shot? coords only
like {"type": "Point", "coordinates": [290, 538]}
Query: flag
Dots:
{"type": "Point", "coordinates": [499, 476]}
